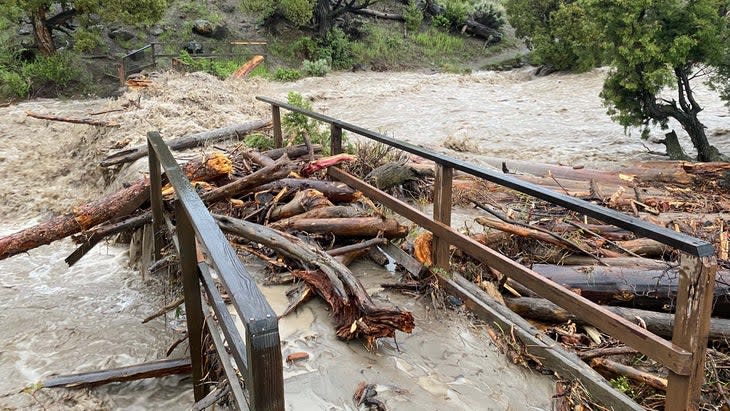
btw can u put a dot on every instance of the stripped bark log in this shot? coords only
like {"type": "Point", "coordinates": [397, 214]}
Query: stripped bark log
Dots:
{"type": "Point", "coordinates": [630, 372]}
{"type": "Point", "coordinates": [281, 168]}
{"type": "Point", "coordinates": [90, 238]}
{"type": "Point", "coordinates": [355, 313]}
{"type": "Point", "coordinates": [189, 141]}
{"type": "Point", "coordinates": [154, 369]}
{"type": "Point", "coordinates": [334, 191]}
{"type": "Point", "coordinates": [88, 121]}
{"type": "Point", "coordinates": [348, 227]}
{"type": "Point", "coordinates": [303, 201]}
{"type": "Point", "coordinates": [82, 218]}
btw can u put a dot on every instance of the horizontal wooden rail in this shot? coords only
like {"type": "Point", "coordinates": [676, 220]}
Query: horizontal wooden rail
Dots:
{"type": "Point", "coordinates": [672, 238]}
{"type": "Point", "coordinates": [674, 357]}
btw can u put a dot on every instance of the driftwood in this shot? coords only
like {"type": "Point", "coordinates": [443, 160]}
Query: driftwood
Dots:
{"type": "Point", "coordinates": [291, 151]}
{"type": "Point", "coordinates": [282, 167]}
{"type": "Point", "coordinates": [355, 313]}
{"type": "Point", "coordinates": [247, 67]}
{"type": "Point", "coordinates": [379, 14]}
{"type": "Point", "coordinates": [390, 175]}
{"type": "Point", "coordinates": [82, 218]}
{"type": "Point", "coordinates": [347, 227]}
{"type": "Point", "coordinates": [88, 121]}
{"type": "Point", "coordinates": [334, 191]}
{"type": "Point", "coordinates": [189, 141]}
{"type": "Point", "coordinates": [152, 369]}
{"type": "Point", "coordinates": [90, 238]}
{"type": "Point", "coordinates": [630, 372]}
{"type": "Point", "coordinates": [659, 323]}
{"type": "Point", "coordinates": [304, 200]}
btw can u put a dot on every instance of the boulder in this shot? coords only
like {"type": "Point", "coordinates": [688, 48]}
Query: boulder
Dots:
{"type": "Point", "coordinates": [25, 30]}
{"type": "Point", "coordinates": [193, 47]}
{"type": "Point", "coordinates": [121, 35]}
{"type": "Point", "coordinates": [156, 31]}
{"type": "Point", "coordinates": [203, 27]}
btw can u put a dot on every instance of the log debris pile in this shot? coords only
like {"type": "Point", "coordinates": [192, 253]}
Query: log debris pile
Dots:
{"type": "Point", "coordinates": [306, 229]}
{"type": "Point", "coordinates": [636, 278]}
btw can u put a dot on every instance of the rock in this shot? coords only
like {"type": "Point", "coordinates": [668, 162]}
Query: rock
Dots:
{"type": "Point", "coordinates": [203, 27]}
{"type": "Point", "coordinates": [121, 35]}
{"type": "Point", "coordinates": [156, 31]}
{"type": "Point", "coordinates": [206, 29]}
{"type": "Point", "coordinates": [193, 47]}
{"type": "Point", "coordinates": [25, 30]}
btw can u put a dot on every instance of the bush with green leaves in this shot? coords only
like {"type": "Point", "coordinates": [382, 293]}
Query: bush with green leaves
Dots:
{"type": "Point", "coordinates": [336, 47]}
{"type": "Point", "coordinates": [318, 68]}
{"type": "Point", "coordinates": [413, 17]}
{"type": "Point", "coordinates": [58, 73]}
{"type": "Point", "coordinates": [86, 40]}
{"type": "Point", "coordinates": [441, 22]}
{"type": "Point", "coordinates": [296, 125]}
{"type": "Point", "coordinates": [456, 12]}
{"type": "Point", "coordinates": [285, 74]}
{"type": "Point", "coordinates": [490, 13]}
{"type": "Point", "coordinates": [12, 84]}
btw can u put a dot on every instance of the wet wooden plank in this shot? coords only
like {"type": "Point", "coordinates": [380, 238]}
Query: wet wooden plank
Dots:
{"type": "Point", "coordinates": [659, 349]}
{"type": "Point", "coordinates": [153, 369]}
{"type": "Point", "coordinates": [442, 189]}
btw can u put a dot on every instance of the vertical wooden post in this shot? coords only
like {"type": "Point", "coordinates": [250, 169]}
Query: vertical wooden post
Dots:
{"type": "Point", "coordinates": [122, 74]}
{"type": "Point", "coordinates": [154, 57]}
{"type": "Point", "coordinates": [276, 120]}
{"type": "Point", "coordinates": [156, 202]}
{"type": "Point", "coordinates": [265, 383]}
{"type": "Point", "coordinates": [442, 213]}
{"type": "Point", "coordinates": [691, 328]}
{"type": "Point", "coordinates": [335, 139]}
{"type": "Point", "coordinates": [191, 290]}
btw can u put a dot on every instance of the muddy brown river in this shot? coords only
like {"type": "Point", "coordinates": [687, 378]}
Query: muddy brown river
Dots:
{"type": "Point", "coordinates": [57, 319]}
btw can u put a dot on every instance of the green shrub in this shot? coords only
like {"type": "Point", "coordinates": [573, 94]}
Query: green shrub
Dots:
{"type": "Point", "coordinates": [381, 47]}
{"type": "Point", "coordinates": [490, 13]}
{"type": "Point", "coordinates": [13, 85]}
{"type": "Point", "coordinates": [336, 47]}
{"type": "Point", "coordinates": [219, 68]}
{"type": "Point", "coordinates": [456, 12]}
{"type": "Point", "coordinates": [59, 72]}
{"type": "Point", "coordinates": [87, 40]}
{"type": "Point", "coordinates": [296, 125]}
{"type": "Point", "coordinates": [441, 22]}
{"type": "Point", "coordinates": [260, 142]}
{"type": "Point", "coordinates": [298, 12]}
{"type": "Point", "coordinates": [413, 17]}
{"type": "Point", "coordinates": [285, 74]}
{"type": "Point", "coordinates": [318, 68]}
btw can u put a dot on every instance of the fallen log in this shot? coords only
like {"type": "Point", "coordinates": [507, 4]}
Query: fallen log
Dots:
{"type": "Point", "coordinates": [247, 67]}
{"type": "Point", "coordinates": [189, 141]}
{"type": "Point", "coordinates": [281, 168]}
{"type": "Point", "coordinates": [291, 151]}
{"type": "Point", "coordinates": [661, 324]}
{"type": "Point", "coordinates": [390, 175]}
{"type": "Point", "coordinates": [303, 201]}
{"type": "Point", "coordinates": [355, 313]}
{"type": "Point", "coordinates": [334, 191]}
{"type": "Point", "coordinates": [322, 163]}
{"type": "Point", "coordinates": [630, 372]}
{"type": "Point", "coordinates": [90, 238]}
{"type": "Point", "coordinates": [153, 369]}
{"type": "Point", "coordinates": [82, 218]}
{"type": "Point", "coordinates": [379, 14]}
{"type": "Point", "coordinates": [348, 227]}
{"type": "Point", "coordinates": [88, 121]}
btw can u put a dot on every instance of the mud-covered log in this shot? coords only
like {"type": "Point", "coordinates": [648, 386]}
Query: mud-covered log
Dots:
{"type": "Point", "coordinates": [355, 313]}
{"type": "Point", "coordinates": [304, 200]}
{"type": "Point", "coordinates": [650, 289]}
{"type": "Point", "coordinates": [348, 227]}
{"type": "Point", "coordinates": [88, 121]}
{"type": "Point", "coordinates": [90, 238]}
{"type": "Point", "coordinates": [291, 151]}
{"type": "Point", "coordinates": [349, 211]}
{"type": "Point", "coordinates": [659, 323]}
{"type": "Point", "coordinates": [189, 141]}
{"type": "Point", "coordinates": [335, 191]}
{"type": "Point", "coordinates": [82, 218]}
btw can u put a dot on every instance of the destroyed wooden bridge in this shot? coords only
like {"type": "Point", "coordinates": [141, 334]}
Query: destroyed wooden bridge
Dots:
{"type": "Point", "coordinates": [202, 249]}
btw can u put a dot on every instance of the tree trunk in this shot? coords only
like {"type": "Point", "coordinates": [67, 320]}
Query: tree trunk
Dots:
{"type": "Point", "coordinates": [323, 16]}
{"type": "Point", "coordinates": [43, 36]}
{"type": "Point", "coordinates": [705, 150]}
{"type": "Point", "coordinates": [347, 227]}
{"type": "Point", "coordinates": [649, 289]}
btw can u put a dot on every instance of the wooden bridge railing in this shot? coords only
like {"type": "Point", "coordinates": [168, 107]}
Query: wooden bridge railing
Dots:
{"type": "Point", "coordinates": [684, 355]}
{"type": "Point", "coordinates": [258, 355]}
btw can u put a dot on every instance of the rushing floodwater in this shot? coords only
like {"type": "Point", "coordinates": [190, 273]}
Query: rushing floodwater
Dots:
{"type": "Point", "coordinates": [57, 319]}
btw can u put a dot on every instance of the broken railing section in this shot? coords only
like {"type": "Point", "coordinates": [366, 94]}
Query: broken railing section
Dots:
{"type": "Point", "coordinates": [684, 356]}
{"type": "Point", "coordinates": [261, 364]}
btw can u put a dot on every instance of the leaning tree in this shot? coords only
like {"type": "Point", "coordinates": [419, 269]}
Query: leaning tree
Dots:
{"type": "Point", "coordinates": [652, 46]}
